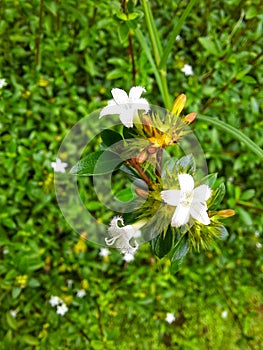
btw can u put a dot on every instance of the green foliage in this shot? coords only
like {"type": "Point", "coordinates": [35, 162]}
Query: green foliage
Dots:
{"type": "Point", "coordinates": [60, 62]}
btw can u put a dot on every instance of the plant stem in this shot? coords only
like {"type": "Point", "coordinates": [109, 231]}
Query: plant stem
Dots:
{"type": "Point", "coordinates": [136, 166]}
{"type": "Point", "coordinates": [174, 34]}
{"type": "Point", "coordinates": [38, 39]}
{"type": "Point", "coordinates": [238, 135]}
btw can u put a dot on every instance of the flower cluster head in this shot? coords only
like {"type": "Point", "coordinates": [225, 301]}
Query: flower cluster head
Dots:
{"type": "Point", "coordinates": [177, 203]}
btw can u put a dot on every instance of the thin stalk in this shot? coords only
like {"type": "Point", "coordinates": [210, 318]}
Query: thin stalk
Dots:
{"type": "Point", "coordinates": [174, 34]}
{"type": "Point", "coordinates": [238, 135]}
{"type": "Point", "coordinates": [38, 38]}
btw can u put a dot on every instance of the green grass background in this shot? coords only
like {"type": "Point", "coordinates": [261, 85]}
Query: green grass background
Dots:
{"type": "Point", "coordinates": [60, 60]}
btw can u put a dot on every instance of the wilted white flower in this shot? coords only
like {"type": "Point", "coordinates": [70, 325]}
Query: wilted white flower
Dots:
{"type": "Point", "coordinates": [187, 69]}
{"type": "Point", "coordinates": [62, 309]}
{"type": "Point", "coordinates": [104, 252]}
{"type": "Point", "coordinates": [54, 301]}
{"type": "Point", "coordinates": [59, 166]}
{"type": "Point", "coordinates": [128, 257]}
{"type": "Point", "coordinates": [121, 236]}
{"type": "Point", "coordinates": [13, 313]}
{"type": "Point", "coordinates": [188, 201]}
{"type": "Point", "coordinates": [170, 318]}
{"type": "Point", "coordinates": [224, 314]}
{"type": "Point", "coordinates": [126, 106]}
{"type": "Point", "coordinates": [81, 293]}
{"type": "Point", "coordinates": [2, 83]}
{"type": "Point", "coordinates": [258, 245]}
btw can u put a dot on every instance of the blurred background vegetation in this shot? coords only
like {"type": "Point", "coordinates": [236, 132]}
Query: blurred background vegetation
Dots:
{"type": "Point", "coordinates": [60, 60]}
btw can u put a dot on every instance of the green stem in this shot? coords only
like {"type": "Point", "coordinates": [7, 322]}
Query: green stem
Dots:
{"type": "Point", "coordinates": [174, 34]}
{"type": "Point", "coordinates": [233, 132]}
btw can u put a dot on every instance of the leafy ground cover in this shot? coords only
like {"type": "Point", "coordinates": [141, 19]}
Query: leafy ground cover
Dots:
{"type": "Point", "coordinates": [60, 60]}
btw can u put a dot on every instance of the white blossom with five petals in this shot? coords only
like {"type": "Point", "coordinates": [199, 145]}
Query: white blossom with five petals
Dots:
{"type": "Point", "coordinates": [121, 236]}
{"type": "Point", "coordinates": [189, 201]}
{"type": "Point", "coordinates": [126, 106]}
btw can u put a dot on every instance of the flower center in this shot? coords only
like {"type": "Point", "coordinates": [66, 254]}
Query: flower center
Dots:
{"type": "Point", "coordinates": [186, 199]}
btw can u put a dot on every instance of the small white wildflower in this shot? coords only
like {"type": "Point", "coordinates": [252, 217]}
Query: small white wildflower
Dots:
{"type": "Point", "coordinates": [62, 309]}
{"type": "Point", "coordinates": [257, 234]}
{"type": "Point", "coordinates": [2, 83]}
{"type": "Point", "coordinates": [104, 252]}
{"type": "Point", "coordinates": [13, 313]}
{"type": "Point", "coordinates": [188, 201]}
{"type": "Point", "coordinates": [81, 293]}
{"type": "Point", "coordinates": [126, 106]}
{"type": "Point", "coordinates": [69, 283]}
{"type": "Point", "coordinates": [128, 257]}
{"type": "Point", "coordinates": [54, 301]}
{"type": "Point", "coordinates": [5, 250]}
{"type": "Point", "coordinates": [258, 245]}
{"type": "Point", "coordinates": [224, 314]}
{"type": "Point", "coordinates": [178, 38]}
{"type": "Point", "coordinates": [121, 236]}
{"type": "Point", "coordinates": [170, 318]}
{"type": "Point", "coordinates": [59, 166]}
{"type": "Point", "coordinates": [187, 70]}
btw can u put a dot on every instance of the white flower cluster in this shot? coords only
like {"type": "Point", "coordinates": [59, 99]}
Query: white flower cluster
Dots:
{"type": "Point", "coordinates": [59, 303]}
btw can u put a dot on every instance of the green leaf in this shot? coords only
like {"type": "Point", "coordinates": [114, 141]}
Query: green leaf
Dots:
{"type": "Point", "coordinates": [186, 165]}
{"type": "Point", "coordinates": [11, 321]}
{"type": "Point", "coordinates": [16, 291]}
{"type": "Point", "coordinates": [161, 245]}
{"type": "Point", "coordinates": [210, 179]}
{"type": "Point", "coordinates": [109, 137]}
{"type": "Point", "coordinates": [178, 253]}
{"type": "Point", "coordinates": [125, 195]}
{"type": "Point", "coordinates": [29, 339]}
{"type": "Point", "coordinates": [251, 12]}
{"type": "Point", "coordinates": [218, 196]}
{"type": "Point", "coordinates": [248, 194]}
{"type": "Point", "coordinates": [123, 31]}
{"type": "Point", "coordinates": [97, 163]}
{"type": "Point", "coordinates": [209, 46]}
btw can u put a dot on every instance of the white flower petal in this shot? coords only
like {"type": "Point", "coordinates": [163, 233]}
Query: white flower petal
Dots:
{"type": "Point", "coordinates": [202, 193]}
{"type": "Point", "coordinates": [126, 117]}
{"type": "Point", "coordinates": [135, 93]}
{"type": "Point", "coordinates": [186, 182]}
{"type": "Point", "coordinates": [142, 104]}
{"type": "Point", "coordinates": [181, 216]}
{"type": "Point", "coordinates": [171, 197]}
{"type": "Point", "coordinates": [198, 212]}
{"type": "Point", "coordinates": [120, 96]}
{"type": "Point", "coordinates": [110, 109]}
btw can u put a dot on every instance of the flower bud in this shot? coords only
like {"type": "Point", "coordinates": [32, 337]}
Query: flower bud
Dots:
{"type": "Point", "coordinates": [141, 192]}
{"type": "Point", "coordinates": [147, 124]}
{"type": "Point", "coordinates": [227, 213]}
{"type": "Point", "coordinates": [179, 104]}
{"type": "Point", "coordinates": [189, 118]}
{"type": "Point", "coordinates": [141, 157]}
{"type": "Point", "coordinates": [151, 149]}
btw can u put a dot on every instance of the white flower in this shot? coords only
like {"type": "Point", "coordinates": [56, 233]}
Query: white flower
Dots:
{"type": "Point", "coordinates": [69, 283]}
{"type": "Point", "coordinates": [104, 252]}
{"type": "Point", "coordinates": [257, 234]}
{"type": "Point", "coordinates": [2, 83]}
{"type": "Point", "coordinates": [187, 70]}
{"type": "Point", "coordinates": [54, 301]}
{"type": "Point", "coordinates": [121, 236]}
{"type": "Point", "coordinates": [13, 313]}
{"type": "Point", "coordinates": [81, 293]}
{"type": "Point", "coordinates": [188, 201]}
{"type": "Point", "coordinates": [128, 257]}
{"type": "Point", "coordinates": [224, 314]}
{"type": "Point", "coordinates": [5, 250]}
{"type": "Point", "coordinates": [126, 106]}
{"type": "Point", "coordinates": [58, 166]}
{"type": "Point", "coordinates": [178, 38]}
{"type": "Point", "coordinates": [258, 245]}
{"type": "Point", "coordinates": [62, 309]}
{"type": "Point", "coordinates": [170, 318]}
